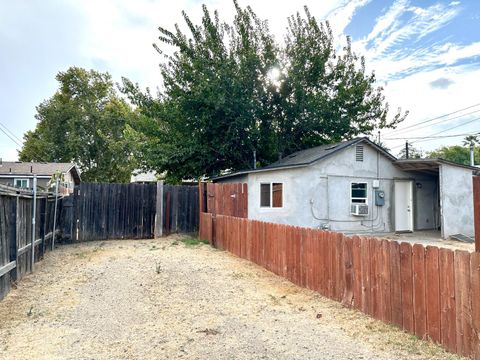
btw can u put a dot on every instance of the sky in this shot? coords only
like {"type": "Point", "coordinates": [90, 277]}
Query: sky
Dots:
{"type": "Point", "coordinates": [426, 54]}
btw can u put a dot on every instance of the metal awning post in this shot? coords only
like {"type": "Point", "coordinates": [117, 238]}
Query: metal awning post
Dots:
{"type": "Point", "coordinates": [34, 215]}
{"type": "Point", "coordinates": [55, 213]}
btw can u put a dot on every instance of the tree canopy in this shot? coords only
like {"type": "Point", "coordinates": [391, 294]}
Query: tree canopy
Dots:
{"type": "Point", "coordinates": [232, 89]}
{"type": "Point", "coordinates": [83, 122]}
{"type": "Point", "coordinates": [456, 153]}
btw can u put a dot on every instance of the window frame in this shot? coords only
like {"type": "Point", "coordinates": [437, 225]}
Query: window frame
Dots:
{"type": "Point", "coordinates": [359, 198]}
{"type": "Point", "coordinates": [21, 180]}
{"type": "Point", "coordinates": [270, 183]}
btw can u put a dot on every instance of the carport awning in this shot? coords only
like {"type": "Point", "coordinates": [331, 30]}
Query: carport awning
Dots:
{"type": "Point", "coordinates": [428, 165]}
{"type": "Point", "coordinates": [418, 165]}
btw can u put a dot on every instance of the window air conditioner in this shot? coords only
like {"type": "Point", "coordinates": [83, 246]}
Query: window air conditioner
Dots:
{"type": "Point", "coordinates": [359, 209]}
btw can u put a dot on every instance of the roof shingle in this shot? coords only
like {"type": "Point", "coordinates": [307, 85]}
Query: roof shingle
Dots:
{"type": "Point", "coordinates": [30, 168]}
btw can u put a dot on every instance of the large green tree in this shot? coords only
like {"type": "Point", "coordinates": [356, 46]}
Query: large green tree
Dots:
{"type": "Point", "coordinates": [85, 122]}
{"type": "Point", "coordinates": [231, 89]}
{"type": "Point", "coordinates": [456, 153]}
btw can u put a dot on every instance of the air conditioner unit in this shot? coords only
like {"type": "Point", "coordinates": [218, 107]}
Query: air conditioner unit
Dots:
{"type": "Point", "coordinates": [359, 209]}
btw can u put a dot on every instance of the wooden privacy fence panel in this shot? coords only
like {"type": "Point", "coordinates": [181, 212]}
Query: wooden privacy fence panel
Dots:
{"type": "Point", "coordinates": [16, 213]}
{"type": "Point", "coordinates": [180, 209]}
{"type": "Point", "coordinates": [224, 199]}
{"type": "Point", "coordinates": [113, 211]}
{"type": "Point", "coordinates": [431, 292]}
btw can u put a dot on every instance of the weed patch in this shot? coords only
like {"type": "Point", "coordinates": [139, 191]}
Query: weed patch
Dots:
{"type": "Point", "coordinates": [192, 241]}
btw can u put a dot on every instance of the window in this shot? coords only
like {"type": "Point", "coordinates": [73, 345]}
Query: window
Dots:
{"type": "Point", "coordinates": [264, 195]}
{"type": "Point", "coordinates": [21, 183]}
{"type": "Point", "coordinates": [359, 153]}
{"type": "Point", "coordinates": [271, 195]}
{"type": "Point", "coordinates": [359, 193]}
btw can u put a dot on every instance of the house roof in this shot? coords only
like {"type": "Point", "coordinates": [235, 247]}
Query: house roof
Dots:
{"type": "Point", "coordinates": [18, 168]}
{"type": "Point", "coordinates": [307, 157]}
{"type": "Point", "coordinates": [429, 164]}
{"type": "Point", "coordinates": [148, 176]}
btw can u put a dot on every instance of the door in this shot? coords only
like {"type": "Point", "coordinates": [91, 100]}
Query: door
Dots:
{"type": "Point", "coordinates": [403, 206]}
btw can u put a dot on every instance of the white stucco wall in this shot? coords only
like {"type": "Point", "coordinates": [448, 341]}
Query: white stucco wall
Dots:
{"type": "Point", "coordinates": [327, 183]}
{"type": "Point", "coordinates": [456, 196]}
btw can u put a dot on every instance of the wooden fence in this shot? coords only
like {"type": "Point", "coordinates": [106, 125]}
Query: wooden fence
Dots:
{"type": "Point", "coordinates": [16, 217]}
{"type": "Point", "coordinates": [180, 209]}
{"type": "Point", "coordinates": [431, 292]}
{"type": "Point", "coordinates": [129, 211]}
{"type": "Point", "coordinates": [224, 199]}
{"type": "Point", "coordinates": [112, 211]}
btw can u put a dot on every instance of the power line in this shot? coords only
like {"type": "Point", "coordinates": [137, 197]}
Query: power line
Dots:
{"type": "Point", "coordinates": [434, 137]}
{"type": "Point", "coordinates": [11, 132]}
{"type": "Point", "coordinates": [453, 127]}
{"type": "Point", "coordinates": [435, 118]}
{"type": "Point", "coordinates": [10, 137]}
{"type": "Point", "coordinates": [428, 125]}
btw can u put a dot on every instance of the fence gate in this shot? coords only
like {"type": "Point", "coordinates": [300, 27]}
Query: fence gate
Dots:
{"type": "Point", "coordinates": [225, 199]}
{"type": "Point", "coordinates": [112, 211]}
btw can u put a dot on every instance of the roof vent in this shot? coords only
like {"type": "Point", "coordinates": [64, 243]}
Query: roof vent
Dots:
{"type": "Point", "coordinates": [359, 152]}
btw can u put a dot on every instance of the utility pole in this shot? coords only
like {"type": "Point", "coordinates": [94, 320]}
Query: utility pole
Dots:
{"type": "Point", "coordinates": [472, 153]}
{"type": "Point", "coordinates": [406, 149]}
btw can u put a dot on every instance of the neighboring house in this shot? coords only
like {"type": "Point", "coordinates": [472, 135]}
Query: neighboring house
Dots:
{"type": "Point", "coordinates": [358, 187]}
{"type": "Point", "coordinates": [144, 177]}
{"type": "Point", "coordinates": [20, 174]}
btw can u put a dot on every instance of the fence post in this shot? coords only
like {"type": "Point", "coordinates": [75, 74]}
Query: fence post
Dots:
{"type": "Point", "coordinates": [476, 211]}
{"type": "Point", "coordinates": [43, 222]}
{"type": "Point", "coordinates": [13, 238]}
{"type": "Point", "coordinates": [55, 213]}
{"type": "Point", "coordinates": [159, 211]}
{"type": "Point", "coordinates": [34, 221]}
{"type": "Point", "coordinates": [200, 197]}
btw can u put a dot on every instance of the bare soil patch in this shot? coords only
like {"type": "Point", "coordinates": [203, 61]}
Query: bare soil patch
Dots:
{"type": "Point", "coordinates": [165, 298]}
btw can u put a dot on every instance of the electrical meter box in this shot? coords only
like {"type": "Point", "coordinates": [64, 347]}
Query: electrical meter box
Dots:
{"type": "Point", "coordinates": [379, 197]}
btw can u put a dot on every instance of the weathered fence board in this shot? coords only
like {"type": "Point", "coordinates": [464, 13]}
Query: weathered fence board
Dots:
{"type": "Point", "coordinates": [447, 300]}
{"type": "Point", "coordinates": [463, 302]}
{"type": "Point", "coordinates": [431, 292]}
{"type": "Point", "coordinates": [111, 211]}
{"type": "Point", "coordinates": [224, 199]}
{"type": "Point", "coordinates": [180, 209]}
{"type": "Point", "coordinates": [16, 234]}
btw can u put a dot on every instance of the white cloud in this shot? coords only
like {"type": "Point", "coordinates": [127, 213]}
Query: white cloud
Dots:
{"type": "Point", "coordinates": [342, 15]}
{"type": "Point", "coordinates": [415, 94]}
{"type": "Point", "coordinates": [384, 46]}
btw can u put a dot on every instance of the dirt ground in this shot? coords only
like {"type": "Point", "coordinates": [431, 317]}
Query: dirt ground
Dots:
{"type": "Point", "coordinates": [164, 299]}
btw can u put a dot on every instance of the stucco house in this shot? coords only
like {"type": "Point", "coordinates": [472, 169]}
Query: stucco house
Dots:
{"type": "Point", "coordinates": [358, 187]}
{"type": "Point", "coordinates": [20, 174]}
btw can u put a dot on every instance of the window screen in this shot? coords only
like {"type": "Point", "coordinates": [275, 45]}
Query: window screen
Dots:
{"type": "Point", "coordinates": [277, 195]}
{"type": "Point", "coordinates": [265, 195]}
{"type": "Point", "coordinates": [359, 193]}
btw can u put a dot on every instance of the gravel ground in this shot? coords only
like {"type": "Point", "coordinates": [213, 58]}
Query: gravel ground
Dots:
{"type": "Point", "coordinates": [162, 299]}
